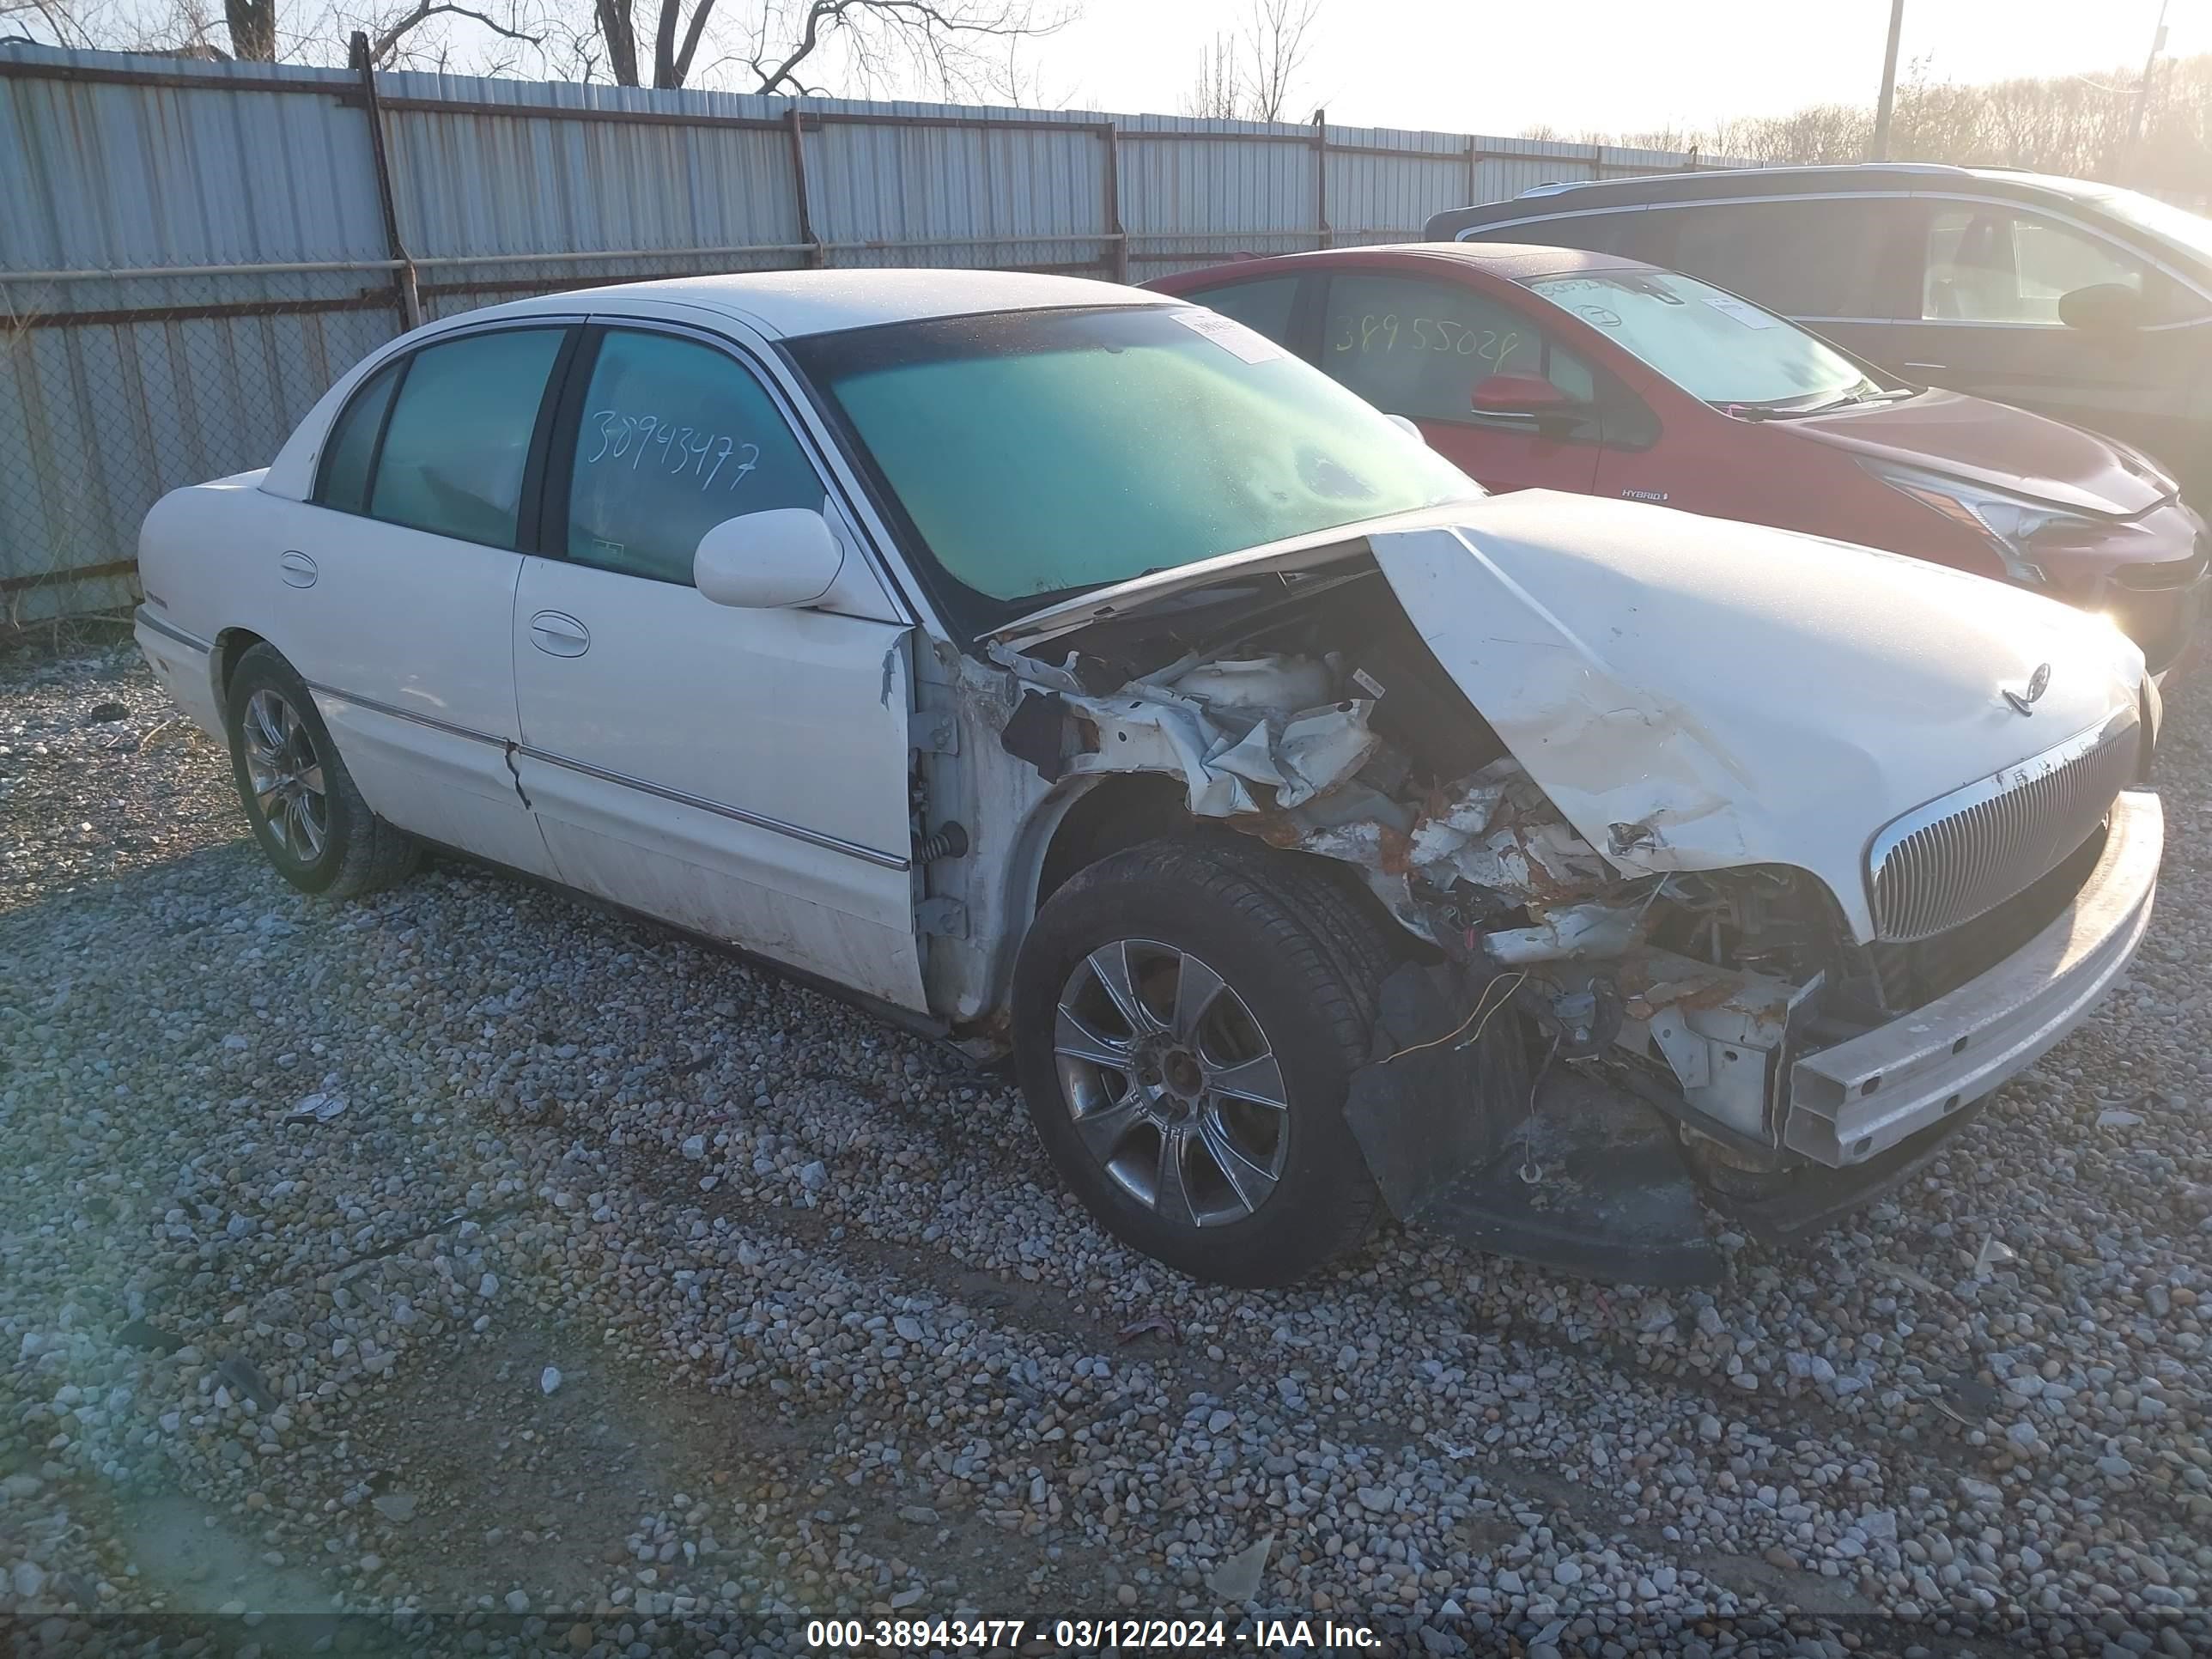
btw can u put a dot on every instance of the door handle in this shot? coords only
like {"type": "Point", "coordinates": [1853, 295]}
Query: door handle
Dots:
{"type": "Point", "coordinates": [1938, 367]}
{"type": "Point", "coordinates": [558, 634]}
{"type": "Point", "coordinates": [297, 570]}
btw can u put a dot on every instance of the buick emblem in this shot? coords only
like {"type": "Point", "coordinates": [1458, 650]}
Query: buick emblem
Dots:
{"type": "Point", "coordinates": [2038, 683]}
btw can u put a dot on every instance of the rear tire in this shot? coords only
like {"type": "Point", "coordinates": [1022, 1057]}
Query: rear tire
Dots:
{"type": "Point", "coordinates": [1187, 1015]}
{"type": "Point", "coordinates": [304, 810]}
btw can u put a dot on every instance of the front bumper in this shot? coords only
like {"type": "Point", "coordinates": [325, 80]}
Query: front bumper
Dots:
{"type": "Point", "coordinates": [1853, 1101]}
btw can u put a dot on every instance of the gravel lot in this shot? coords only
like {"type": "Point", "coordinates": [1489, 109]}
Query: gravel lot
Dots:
{"type": "Point", "coordinates": [829, 1340]}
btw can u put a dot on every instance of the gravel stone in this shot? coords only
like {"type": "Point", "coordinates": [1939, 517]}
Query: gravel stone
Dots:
{"type": "Point", "coordinates": [579, 1147]}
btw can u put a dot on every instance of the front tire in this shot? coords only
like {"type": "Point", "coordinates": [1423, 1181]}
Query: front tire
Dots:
{"type": "Point", "coordinates": [1187, 1015]}
{"type": "Point", "coordinates": [304, 810]}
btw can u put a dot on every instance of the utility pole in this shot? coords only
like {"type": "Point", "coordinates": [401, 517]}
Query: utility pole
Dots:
{"type": "Point", "coordinates": [1880, 151]}
{"type": "Point", "coordinates": [2142, 89]}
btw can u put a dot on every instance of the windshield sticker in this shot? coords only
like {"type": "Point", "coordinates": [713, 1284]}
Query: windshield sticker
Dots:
{"type": "Point", "coordinates": [1728, 306]}
{"type": "Point", "coordinates": [1228, 334]}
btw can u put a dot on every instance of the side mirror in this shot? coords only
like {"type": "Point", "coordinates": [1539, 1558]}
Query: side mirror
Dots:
{"type": "Point", "coordinates": [1406, 425]}
{"type": "Point", "coordinates": [2102, 308]}
{"type": "Point", "coordinates": [767, 561]}
{"type": "Point", "coordinates": [1528, 398]}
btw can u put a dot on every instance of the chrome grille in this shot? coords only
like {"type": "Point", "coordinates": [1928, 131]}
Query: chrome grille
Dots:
{"type": "Point", "coordinates": [1944, 863]}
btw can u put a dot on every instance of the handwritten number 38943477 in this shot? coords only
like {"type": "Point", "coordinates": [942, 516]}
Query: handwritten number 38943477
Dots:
{"type": "Point", "coordinates": [684, 451]}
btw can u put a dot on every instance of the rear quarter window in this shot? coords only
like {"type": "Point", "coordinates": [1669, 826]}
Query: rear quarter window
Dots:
{"type": "Point", "coordinates": [1592, 233]}
{"type": "Point", "coordinates": [352, 443]}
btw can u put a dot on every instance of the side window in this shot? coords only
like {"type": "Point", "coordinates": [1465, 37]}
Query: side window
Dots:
{"type": "Point", "coordinates": [1420, 349]}
{"type": "Point", "coordinates": [459, 435]}
{"type": "Point", "coordinates": [676, 437]}
{"type": "Point", "coordinates": [1264, 307]}
{"type": "Point", "coordinates": [1997, 265]}
{"type": "Point", "coordinates": [352, 443]}
{"type": "Point", "coordinates": [1819, 257]}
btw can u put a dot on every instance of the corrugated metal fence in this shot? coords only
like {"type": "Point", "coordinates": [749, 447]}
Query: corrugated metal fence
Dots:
{"type": "Point", "coordinates": [190, 252]}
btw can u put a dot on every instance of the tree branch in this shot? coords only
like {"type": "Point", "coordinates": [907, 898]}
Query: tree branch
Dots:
{"type": "Point", "coordinates": [380, 50]}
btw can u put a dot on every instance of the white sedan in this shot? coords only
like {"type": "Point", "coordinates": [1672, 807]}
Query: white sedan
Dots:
{"type": "Point", "coordinates": [1066, 669]}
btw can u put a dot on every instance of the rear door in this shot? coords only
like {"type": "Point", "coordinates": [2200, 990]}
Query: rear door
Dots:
{"type": "Point", "coordinates": [741, 773]}
{"type": "Point", "coordinates": [391, 591]}
{"type": "Point", "coordinates": [1418, 346]}
{"type": "Point", "coordinates": [1992, 276]}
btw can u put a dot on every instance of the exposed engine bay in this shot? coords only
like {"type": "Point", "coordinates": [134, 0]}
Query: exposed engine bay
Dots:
{"type": "Point", "coordinates": [1311, 715]}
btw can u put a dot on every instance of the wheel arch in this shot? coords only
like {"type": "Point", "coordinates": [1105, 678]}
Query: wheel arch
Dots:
{"type": "Point", "coordinates": [230, 645]}
{"type": "Point", "coordinates": [1091, 819]}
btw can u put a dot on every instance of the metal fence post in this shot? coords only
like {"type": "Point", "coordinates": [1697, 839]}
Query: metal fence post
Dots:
{"type": "Point", "coordinates": [1321, 176]}
{"type": "Point", "coordinates": [403, 282]}
{"type": "Point", "coordinates": [799, 188]}
{"type": "Point", "coordinates": [1115, 231]}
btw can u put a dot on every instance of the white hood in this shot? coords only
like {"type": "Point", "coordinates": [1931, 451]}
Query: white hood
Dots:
{"type": "Point", "coordinates": [1696, 693]}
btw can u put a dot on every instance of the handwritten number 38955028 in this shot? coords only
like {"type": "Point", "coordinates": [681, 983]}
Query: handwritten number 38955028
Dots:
{"type": "Point", "coordinates": [1372, 333]}
{"type": "Point", "coordinates": [630, 437]}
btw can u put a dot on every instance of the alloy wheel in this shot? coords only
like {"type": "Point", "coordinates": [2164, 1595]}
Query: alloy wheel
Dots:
{"type": "Point", "coordinates": [1171, 1083]}
{"type": "Point", "coordinates": [286, 775]}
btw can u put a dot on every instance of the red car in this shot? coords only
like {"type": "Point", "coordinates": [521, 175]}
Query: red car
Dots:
{"type": "Point", "coordinates": [1547, 368]}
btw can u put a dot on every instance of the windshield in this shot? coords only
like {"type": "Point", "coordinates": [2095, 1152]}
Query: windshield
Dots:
{"type": "Point", "coordinates": [1040, 453]}
{"type": "Point", "coordinates": [1715, 347]}
{"type": "Point", "coordinates": [2190, 232]}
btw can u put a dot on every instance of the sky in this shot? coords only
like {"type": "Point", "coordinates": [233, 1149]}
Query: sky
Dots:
{"type": "Point", "coordinates": [1497, 66]}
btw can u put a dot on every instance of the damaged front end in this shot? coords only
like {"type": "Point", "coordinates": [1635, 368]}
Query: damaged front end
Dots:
{"type": "Point", "coordinates": [1586, 1038]}
{"type": "Point", "coordinates": [1327, 730]}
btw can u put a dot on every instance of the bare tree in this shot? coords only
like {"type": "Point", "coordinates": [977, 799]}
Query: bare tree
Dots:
{"type": "Point", "coordinates": [952, 46]}
{"type": "Point", "coordinates": [53, 22]}
{"type": "Point", "coordinates": [1217, 94]}
{"type": "Point", "coordinates": [390, 34]}
{"type": "Point", "coordinates": [1248, 77]}
{"type": "Point", "coordinates": [253, 25]}
{"type": "Point", "coordinates": [2073, 124]}
{"type": "Point", "coordinates": [1276, 41]}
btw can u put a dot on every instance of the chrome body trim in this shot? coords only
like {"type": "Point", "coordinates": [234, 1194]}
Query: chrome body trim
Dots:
{"type": "Point", "coordinates": [168, 631]}
{"type": "Point", "coordinates": [398, 713]}
{"type": "Point", "coordinates": [1852, 1102]}
{"type": "Point", "coordinates": [1961, 855]}
{"type": "Point", "coordinates": [2157, 260]}
{"type": "Point", "coordinates": [736, 814]}
{"type": "Point", "coordinates": [720, 808]}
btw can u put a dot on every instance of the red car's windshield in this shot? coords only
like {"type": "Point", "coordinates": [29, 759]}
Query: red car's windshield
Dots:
{"type": "Point", "coordinates": [1715, 347]}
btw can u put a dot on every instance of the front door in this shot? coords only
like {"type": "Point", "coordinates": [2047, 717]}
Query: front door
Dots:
{"type": "Point", "coordinates": [741, 773]}
{"type": "Point", "coordinates": [1992, 280]}
{"type": "Point", "coordinates": [391, 591]}
{"type": "Point", "coordinates": [1418, 348]}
